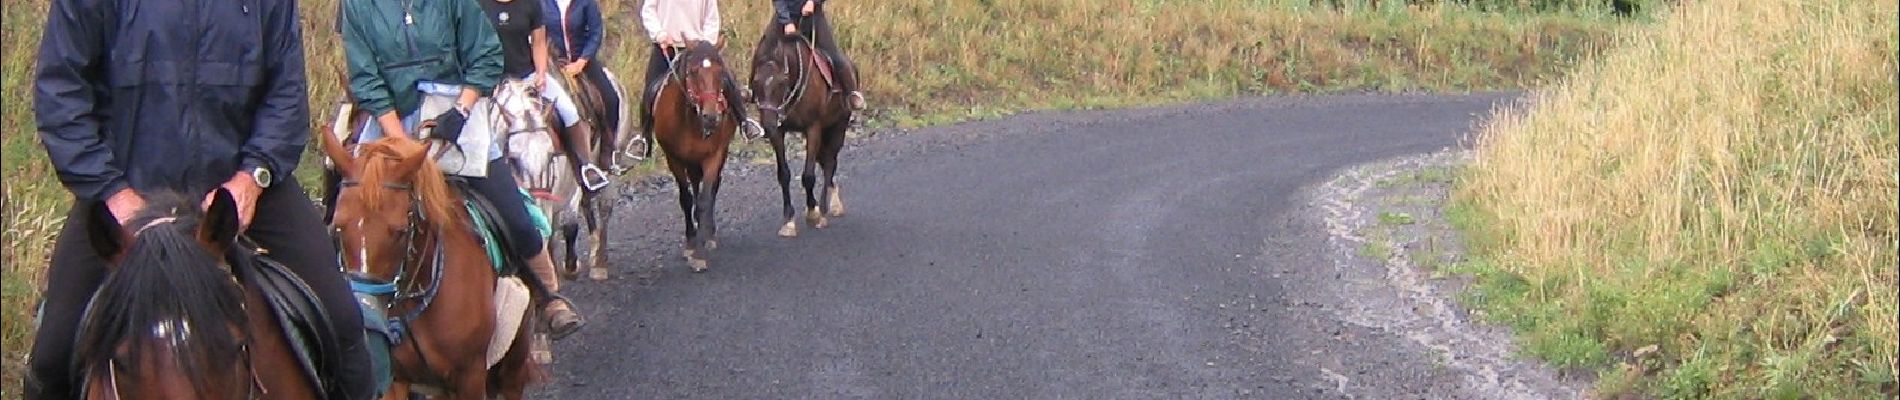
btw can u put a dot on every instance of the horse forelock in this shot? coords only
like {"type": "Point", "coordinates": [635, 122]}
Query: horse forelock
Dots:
{"type": "Point", "coordinates": [169, 307]}
{"type": "Point", "coordinates": [385, 164]}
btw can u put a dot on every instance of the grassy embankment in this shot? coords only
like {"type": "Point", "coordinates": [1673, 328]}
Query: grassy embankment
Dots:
{"type": "Point", "coordinates": [1706, 211]}
{"type": "Point", "coordinates": [931, 62]}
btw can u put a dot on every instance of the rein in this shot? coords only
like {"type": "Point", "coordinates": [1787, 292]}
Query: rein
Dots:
{"type": "Point", "coordinates": [798, 85]}
{"type": "Point", "coordinates": [695, 97]}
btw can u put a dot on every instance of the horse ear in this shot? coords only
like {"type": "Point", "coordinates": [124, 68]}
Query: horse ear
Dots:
{"type": "Point", "coordinates": [332, 147]}
{"type": "Point", "coordinates": [107, 236]}
{"type": "Point", "coordinates": [220, 223]}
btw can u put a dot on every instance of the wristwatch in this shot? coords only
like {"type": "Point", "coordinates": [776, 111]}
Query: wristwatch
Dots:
{"type": "Point", "coordinates": [262, 176]}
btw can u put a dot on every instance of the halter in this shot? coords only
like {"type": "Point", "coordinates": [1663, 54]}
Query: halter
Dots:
{"type": "Point", "coordinates": [694, 97]}
{"type": "Point", "coordinates": [401, 288]}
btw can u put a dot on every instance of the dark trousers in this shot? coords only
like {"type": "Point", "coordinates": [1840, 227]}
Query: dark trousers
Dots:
{"type": "Point", "coordinates": [657, 68]}
{"type": "Point", "coordinates": [501, 190]}
{"type": "Point", "coordinates": [285, 223]}
{"type": "Point", "coordinates": [818, 28]}
{"type": "Point", "coordinates": [610, 101]}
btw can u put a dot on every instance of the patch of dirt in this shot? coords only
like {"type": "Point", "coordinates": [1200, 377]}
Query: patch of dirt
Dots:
{"type": "Point", "coordinates": [1388, 235]}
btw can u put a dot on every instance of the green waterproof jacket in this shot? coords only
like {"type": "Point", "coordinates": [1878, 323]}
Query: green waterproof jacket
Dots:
{"type": "Point", "coordinates": [391, 45]}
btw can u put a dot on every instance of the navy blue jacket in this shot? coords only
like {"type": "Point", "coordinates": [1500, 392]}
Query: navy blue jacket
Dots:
{"type": "Point", "coordinates": [582, 26]}
{"type": "Point", "coordinates": [176, 94]}
{"type": "Point", "coordinates": [787, 11]}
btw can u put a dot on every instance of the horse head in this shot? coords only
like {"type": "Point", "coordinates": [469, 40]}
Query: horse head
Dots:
{"type": "Point", "coordinates": [777, 72]}
{"type": "Point", "coordinates": [704, 75]}
{"type": "Point", "coordinates": [531, 142]}
{"type": "Point", "coordinates": [169, 320]}
{"type": "Point", "coordinates": [390, 195]}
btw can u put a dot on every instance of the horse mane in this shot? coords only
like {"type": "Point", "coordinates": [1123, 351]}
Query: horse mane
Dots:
{"type": "Point", "coordinates": [393, 160]}
{"type": "Point", "coordinates": [166, 281]}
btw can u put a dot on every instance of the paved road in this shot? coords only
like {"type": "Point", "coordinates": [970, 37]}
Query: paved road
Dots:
{"type": "Point", "coordinates": [1129, 254]}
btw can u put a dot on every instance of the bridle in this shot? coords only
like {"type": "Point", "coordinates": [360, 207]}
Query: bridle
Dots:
{"type": "Point", "coordinates": [799, 83]}
{"type": "Point", "coordinates": [694, 96]}
{"type": "Point", "coordinates": [403, 287]}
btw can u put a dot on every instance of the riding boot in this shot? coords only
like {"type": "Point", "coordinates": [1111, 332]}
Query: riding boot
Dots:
{"type": "Point", "coordinates": [354, 376]}
{"type": "Point", "coordinates": [581, 156]}
{"type": "Point", "coordinates": [561, 317]}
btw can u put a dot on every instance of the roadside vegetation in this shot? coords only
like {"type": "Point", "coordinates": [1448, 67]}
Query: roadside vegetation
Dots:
{"type": "Point", "coordinates": [1705, 211]}
{"type": "Point", "coordinates": [933, 62]}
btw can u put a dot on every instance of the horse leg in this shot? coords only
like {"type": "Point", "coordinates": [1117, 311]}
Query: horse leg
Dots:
{"type": "Point", "coordinates": [685, 185]}
{"type": "Point", "coordinates": [790, 229]}
{"type": "Point", "coordinates": [828, 159]}
{"type": "Point", "coordinates": [597, 212]}
{"type": "Point", "coordinates": [516, 370]}
{"type": "Point", "coordinates": [813, 139]}
{"type": "Point", "coordinates": [570, 261]}
{"type": "Point", "coordinates": [708, 205]}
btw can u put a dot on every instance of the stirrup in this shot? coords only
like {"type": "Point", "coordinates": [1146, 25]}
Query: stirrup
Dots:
{"type": "Point", "coordinates": [600, 180]}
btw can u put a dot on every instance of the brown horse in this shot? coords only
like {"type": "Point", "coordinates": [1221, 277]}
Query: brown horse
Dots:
{"type": "Point", "coordinates": [398, 221]}
{"type": "Point", "coordinates": [794, 97]}
{"type": "Point", "coordinates": [173, 321]}
{"type": "Point", "coordinates": [691, 124]}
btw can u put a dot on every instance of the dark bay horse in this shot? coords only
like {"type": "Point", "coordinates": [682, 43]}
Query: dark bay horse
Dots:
{"type": "Point", "coordinates": [794, 97]}
{"type": "Point", "coordinates": [692, 125]}
{"type": "Point", "coordinates": [172, 320]}
{"type": "Point", "coordinates": [400, 224]}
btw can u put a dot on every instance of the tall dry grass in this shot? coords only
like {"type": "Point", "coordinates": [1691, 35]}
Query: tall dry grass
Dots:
{"type": "Point", "coordinates": [1709, 209]}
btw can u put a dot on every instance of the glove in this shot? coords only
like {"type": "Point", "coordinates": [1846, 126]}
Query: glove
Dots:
{"type": "Point", "coordinates": [448, 126]}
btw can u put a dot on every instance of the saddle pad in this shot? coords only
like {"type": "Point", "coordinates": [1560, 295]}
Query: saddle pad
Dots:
{"type": "Point", "coordinates": [490, 233]}
{"type": "Point", "coordinates": [511, 306]}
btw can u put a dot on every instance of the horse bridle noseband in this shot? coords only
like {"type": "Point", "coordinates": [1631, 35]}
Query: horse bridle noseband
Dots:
{"type": "Point", "coordinates": [694, 97]}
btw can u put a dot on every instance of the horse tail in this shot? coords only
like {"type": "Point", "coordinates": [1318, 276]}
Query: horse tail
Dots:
{"type": "Point", "coordinates": [623, 114]}
{"type": "Point", "coordinates": [169, 289]}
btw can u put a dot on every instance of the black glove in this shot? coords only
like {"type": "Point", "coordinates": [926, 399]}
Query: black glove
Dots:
{"type": "Point", "coordinates": [448, 126]}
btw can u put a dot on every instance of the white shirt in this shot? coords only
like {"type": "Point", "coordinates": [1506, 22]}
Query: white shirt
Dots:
{"type": "Point", "coordinates": [690, 20]}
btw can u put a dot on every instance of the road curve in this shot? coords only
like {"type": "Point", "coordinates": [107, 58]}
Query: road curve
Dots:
{"type": "Point", "coordinates": [1128, 254]}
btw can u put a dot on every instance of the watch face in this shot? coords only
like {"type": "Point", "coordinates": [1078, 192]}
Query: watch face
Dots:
{"type": "Point", "coordinates": [262, 176]}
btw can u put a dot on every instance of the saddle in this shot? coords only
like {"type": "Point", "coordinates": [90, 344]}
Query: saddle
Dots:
{"type": "Point", "coordinates": [298, 312]}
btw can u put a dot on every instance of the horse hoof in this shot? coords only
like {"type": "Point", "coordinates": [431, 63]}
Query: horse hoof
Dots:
{"type": "Point", "coordinates": [789, 230]}
{"type": "Point", "coordinates": [697, 264]}
{"type": "Point", "coordinates": [837, 203]}
{"type": "Point", "coordinates": [597, 274]}
{"type": "Point", "coordinates": [812, 215]}
{"type": "Point", "coordinates": [821, 223]}
{"type": "Point", "coordinates": [712, 245]}
{"type": "Point", "coordinates": [689, 254]}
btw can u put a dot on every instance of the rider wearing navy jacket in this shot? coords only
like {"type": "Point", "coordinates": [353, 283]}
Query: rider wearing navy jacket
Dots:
{"type": "Point", "coordinates": [787, 18]}
{"type": "Point", "coordinates": [574, 29]}
{"type": "Point", "coordinates": [134, 98]}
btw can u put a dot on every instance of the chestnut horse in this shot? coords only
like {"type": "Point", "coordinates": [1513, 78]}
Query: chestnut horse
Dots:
{"type": "Point", "coordinates": [400, 224]}
{"type": "Point", "coordinates": [691, 124]}
{"type": "Point", "coordinates": [172, 320]}
{"type": "Point", "coordinates": [794, 97]}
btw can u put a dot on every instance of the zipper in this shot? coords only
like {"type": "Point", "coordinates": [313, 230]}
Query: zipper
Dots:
{"type": "Point", "coordinates": [409, 27]}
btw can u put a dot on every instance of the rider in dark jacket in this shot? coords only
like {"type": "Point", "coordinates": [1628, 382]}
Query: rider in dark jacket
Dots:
{"type": "Point", "coordinates": [134, 98]}
{"type": "Point", "coordinates": [814, 24]}
{"type": "Point", "coordinates": [575, 32]}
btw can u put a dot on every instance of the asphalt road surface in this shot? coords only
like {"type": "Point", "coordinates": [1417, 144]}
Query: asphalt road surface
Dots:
{"type": "Point", "coordinates": [1127, 254]}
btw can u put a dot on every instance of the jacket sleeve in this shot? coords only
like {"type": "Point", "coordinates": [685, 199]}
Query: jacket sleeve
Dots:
{"type": "Point", "coordinates": [479, 45]}
{"type": "Point", "coordinates": [591, 23]}
{"type": "Point", "coordinates": [283, 117]}
{"type": "Point", "coordinates": [67, 91]}
{"type": "Point", "coordinates": [367, 86]}
{"type": "Point", "coordinates": [650, 19]}
{"type": "Point", "coordinates": [783, 10]}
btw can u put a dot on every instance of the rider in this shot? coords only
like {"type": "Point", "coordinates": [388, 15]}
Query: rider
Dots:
{"type": "Point", "coordinates": [164, 110]}
{"type": "Point", "coordinates": [672, 24]}
{"type": "Point", "coordinates": [822, 37]}
{"type": "Point", "coordinates": [574, 27]}
{"type": "Point", "coordinates": [524, 54]}
{"type": "Point", "coordinates": [411, 60]}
